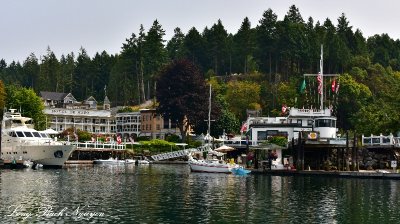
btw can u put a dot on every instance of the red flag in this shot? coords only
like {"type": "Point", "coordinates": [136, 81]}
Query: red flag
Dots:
{"type": "Point", "coordinates": [333, 86]}
{"type": "Point", "coordinates": [284, 107]}
{"type": "Point", "coordinates": [244, 127]}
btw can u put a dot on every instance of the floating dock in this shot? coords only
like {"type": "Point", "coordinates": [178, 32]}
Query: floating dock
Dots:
{"type": "Point", "coordinates": [377, 174]}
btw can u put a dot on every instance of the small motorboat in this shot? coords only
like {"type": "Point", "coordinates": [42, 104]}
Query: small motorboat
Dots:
{"type": "Point", "coordinates": [240, 171]}
{"type": "Point", "coordinates": [110, 161]}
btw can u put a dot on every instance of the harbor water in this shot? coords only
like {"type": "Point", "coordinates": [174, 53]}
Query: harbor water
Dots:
{"type": "Point", "coordinates": [172, 194]}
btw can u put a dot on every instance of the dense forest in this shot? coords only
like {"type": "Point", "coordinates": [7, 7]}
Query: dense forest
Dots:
{"type": "Point", "coordinates": [259, 67]}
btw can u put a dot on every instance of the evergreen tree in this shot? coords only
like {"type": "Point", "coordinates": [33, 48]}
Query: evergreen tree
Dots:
{"type": "Point", "coordinates": [84, 73]}
{"type": "Point", "coordinates": [266, 42]}
{"type": "Point", "coordinates": [216, 38]}
{"type": "Point", "coordinates": [194, 45]}
{"type": "Point", "coordinates": [49, 77]}
{"type": "Point", "coordinates": [31, 71]}
{"type": "Point", "coordinates": [155, 55]}
{"type": "Point", "coordinates": [244, 47]}
{"type": "Point", "coordinates": [175, 46]}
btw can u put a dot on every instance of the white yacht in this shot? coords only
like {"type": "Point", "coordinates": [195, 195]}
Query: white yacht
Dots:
{"type": "Point", "coordinates": [20, 141]}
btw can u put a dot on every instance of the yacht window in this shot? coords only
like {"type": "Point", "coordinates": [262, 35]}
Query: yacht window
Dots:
{"type": "Point", "coordinates": [16, 122]}
{"type": "Point", "coordinates": [43, 135]}
{"type": "Point", "coordinates": [324, 123]}
{"type": "Point", "coordinates": [13, 134]}
{"type": "Point", "coordinates": [36, 134]}
{"type": "Point", "coordinates": [28, 134]}
{"type": "Point", "coordinates": [20, 134]}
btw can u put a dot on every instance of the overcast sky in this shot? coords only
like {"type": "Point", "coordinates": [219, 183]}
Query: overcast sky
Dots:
{"type": "Point", "coordinates": [29, 26]}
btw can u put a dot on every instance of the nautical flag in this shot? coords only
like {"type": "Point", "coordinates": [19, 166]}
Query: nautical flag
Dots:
{"type": "Point", "coordinates": [244, 128]}
{"type": "Point", "coordinates": [319, 79]}
{"type": "Point", "coordinates": [76, 136]}
{"type": "Point", "coordinates": [303, 86]}
{"type": "Point", "coordinates": [333, 86]}
{"type": "Point", "coordinates": [119, 140]}
{"type": "Point", "coordinates": [284, 108]}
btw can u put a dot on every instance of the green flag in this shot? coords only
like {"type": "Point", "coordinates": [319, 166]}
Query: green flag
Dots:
{"type": "Point", "coordinates": [303, 86]}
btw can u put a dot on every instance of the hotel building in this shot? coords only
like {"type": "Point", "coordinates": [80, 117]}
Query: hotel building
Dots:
{"type": "Point", "coordinates": [63, 111]}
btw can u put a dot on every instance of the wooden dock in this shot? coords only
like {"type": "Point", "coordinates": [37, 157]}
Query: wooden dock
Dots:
{"type": "Point", "coordinates": [13, 164]}
{"type": "Point", "coordinates": [376, 174]}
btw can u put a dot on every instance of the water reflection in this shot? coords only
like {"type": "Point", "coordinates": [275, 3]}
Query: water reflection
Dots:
{"type": "Point", "coordinates": [172, 194]}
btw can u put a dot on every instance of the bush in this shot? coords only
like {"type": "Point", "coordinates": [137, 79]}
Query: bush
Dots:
{"type": "Point", "coordinates": [173, 138]}
{"type": "Point", "coordinates": [278, 140]}
{"type": "Point", "coordinates": [158, 146]}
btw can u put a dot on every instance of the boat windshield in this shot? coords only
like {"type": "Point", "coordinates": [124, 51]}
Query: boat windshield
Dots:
{"type": "Point", "coordinates": [44, 135]}
{"type": "Point", "coordinates": [28, 134]}
{"type": "Point", "coordinates": [16, 122]}
{"type": "Point", "coordinates": [20, 134]}
{"type": "Point", "coordinates": [36, 134]}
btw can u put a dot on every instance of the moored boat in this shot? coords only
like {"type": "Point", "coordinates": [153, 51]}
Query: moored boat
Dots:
{"type": "Point", "coordinates": [21, 141]}
{"type": "Point", "coordinates": [210, 166]}
{"type": "Point", "coordinates": [110, 161]}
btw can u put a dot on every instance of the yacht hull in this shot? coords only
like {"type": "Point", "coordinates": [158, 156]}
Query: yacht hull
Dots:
{"type": "Point", "coordinates": [47, 155]}
{"type": "Point", "coordinates": [196, 166]}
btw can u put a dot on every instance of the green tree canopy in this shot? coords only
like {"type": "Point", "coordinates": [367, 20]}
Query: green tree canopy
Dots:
{"type": "Point", "coordinates": [29, 104]}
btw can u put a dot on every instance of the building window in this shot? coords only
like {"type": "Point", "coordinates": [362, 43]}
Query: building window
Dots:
{"type": "Point", "coordinates": [158, 127]}
{"type": "Point", "coordinates": [299, 122]}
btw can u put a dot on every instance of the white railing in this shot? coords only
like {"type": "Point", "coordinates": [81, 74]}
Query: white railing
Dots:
{"type": "Point", "coordinates": [179, 153]}
{"type": "Point", "coordinates": [99, 145]}
{"type": "Point", "coordinates": [381, 140]}
{"type": "Point", "coordinates": [171, 155]}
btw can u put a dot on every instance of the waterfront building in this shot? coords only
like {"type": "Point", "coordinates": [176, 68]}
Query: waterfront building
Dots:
{"type": "Point", "coordinates": [64, 111]}
{"type": "Point", "coordinates": [319, 124]}
{"type": "Point", "coordinates": [54, 99]}
{"type": "Point", "coordinates": [128, 124]}
{"type": "Point", "coordinates": [155, 126]}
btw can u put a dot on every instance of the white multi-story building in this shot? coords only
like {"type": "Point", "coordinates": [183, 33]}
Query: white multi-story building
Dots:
{"type": "Point", "coordinates": [94, 121]}
{"type": "Point", "coordinates": [128, 124]}
{"type": "Point", "coordinates": [63, 112]}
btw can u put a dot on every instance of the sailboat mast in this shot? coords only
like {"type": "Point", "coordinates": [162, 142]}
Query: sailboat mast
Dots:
{"type": "Point", "coordinates": [209, 112]}
{"type": "Point", "coordinates": [321, 69]}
